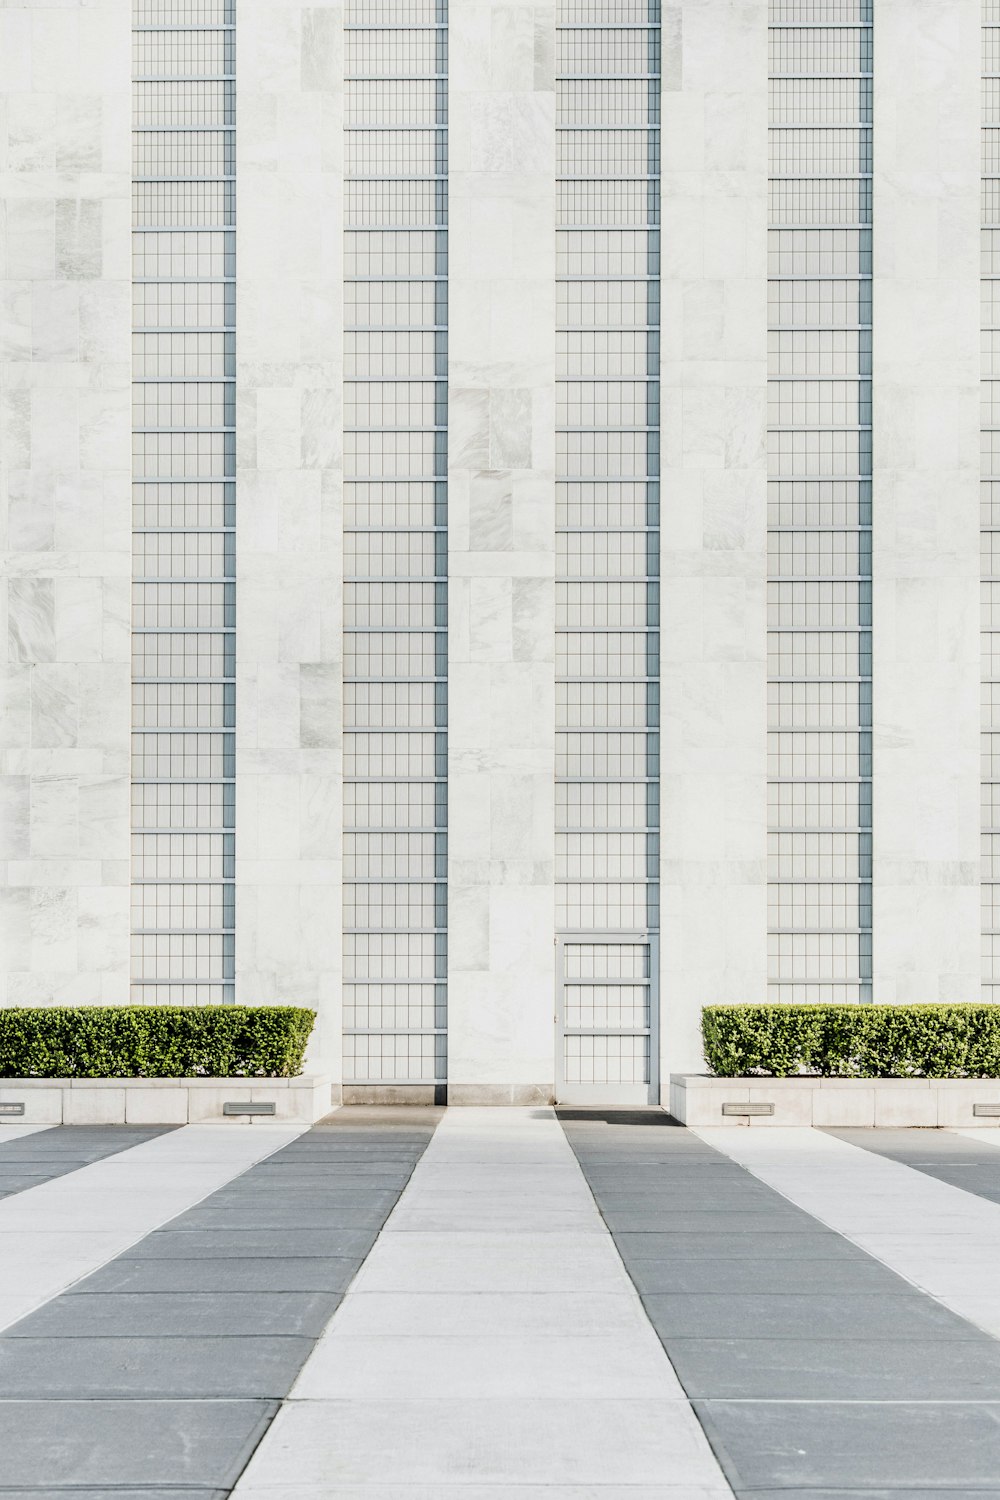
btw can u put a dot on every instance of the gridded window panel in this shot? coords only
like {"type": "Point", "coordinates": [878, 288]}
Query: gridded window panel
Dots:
{"type": "Point", "coordinates": [203, 505]}
{"type": "Point", "coordinates": [182, 54]}
{"type": "Point", "coordinates": [378, 1007]}
{"type": "Point", "coordinates": [606, 1059]}
{"type": "Point", "coordinates": [394, 53]}
{"type": "Point", "coordinates": [606, 1005]}
{"type": "Point", "coordinates": [394, 102]}
{"type": "Point", "coordinates": [189, 754]}
{"type": "Point", "coordinates": [607, 252]}
{"type": "Point", "coordinates": [388, 705]}
{"type": "Point", "coordinates": [601, 906]}
{"type": "Point", "coordinates": [421, 204]}
{"type": "Point", "coordinates": [179, 356]}
{"type": "Point", "coordinates": [813, 705]}
{"type": "Point", "coordinates": [585, 653]}
{"type": "Point", "coordinates": [184, 805]}
{"type": "Point", "coordinates": [192, 554]}
{"type": "Point", "coordinates": [819, 403]}
{"type": "Point", "coordinates": [608, 856]}
{"type": "Point", "coordinates": [816, 805]}
{"type": "Point", "coordinates": [395, 406]}
{"type": "Point", "coordinates": [179, 404]}
{"type": "Point", "coordinates": [607, 960]}
{"type": "Point", "coordinates": [199, 958]}
{"type": "Point", "coordinates": [589, 353]}
{"type": "Point", "coordinates": [182, 153]}
{"type": "Point", "coordinates": [401, 354]}
{"type": "Point", "coordinates": [182, 856]}
{"type": "Point", "coordinates": [395, 153]}
{"type": "Point", "coordinates": [409, 906]}
{"type": "Point", "coordinates": [600, 153]}
{"type": "Point", "coordinates": [821, 101]}
{"type": "Point", "coordinates": [829, 201]}
{"type": "Point", "coordinates": [606, 403]}
{"type": "Point", "coordinates": [182, 705]}
{"type": "Point", "coordinates": [819, 50]}
{"type": "Point", "coordinates": [397, 403]}
{"type": "Point", "coordinates": [605, 705]}
{"type": "Point", "coordinates": [817, 352]}
{"type": "Point", "coordinates": [184, 203]}
{"type": "Point", "coordinates": [609, 805]}
{"type": "Point", "coordinates": [830, 502]}
{"type": "Point", "coordinates": [607, 202]}
{"type": "Point", "coordinates": [393, 805]}
{"type": "Point", "coordinates": [393, 1058]}
{"type": "Point", "coordinates": [183, 253]}
{"type": "Point", "coordinates": [594, 50]}
{"type": "Point", "coordinates": [395, 856]}
{"type": "Point", "coordinates": [606, 504]}
{"type": "Point", "coordinates": [186, 102]}
{"type": "Point", "coordinates": [601, 101]}
{"type": "Point", "coordinates": [819, 447]}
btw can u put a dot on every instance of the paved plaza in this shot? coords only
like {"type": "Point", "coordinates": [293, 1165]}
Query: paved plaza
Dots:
{"type": "Point", "coordinates": [474, 1304]}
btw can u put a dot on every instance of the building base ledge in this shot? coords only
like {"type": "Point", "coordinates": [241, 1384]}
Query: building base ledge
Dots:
{"type": "Point", "coordinates": [165, 1101]}
{"type": "Point", "coordinates": [705, 1101]}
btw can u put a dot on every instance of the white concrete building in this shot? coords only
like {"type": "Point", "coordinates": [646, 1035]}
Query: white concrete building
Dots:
{"type": "Point", "coordinates": [553, 518]}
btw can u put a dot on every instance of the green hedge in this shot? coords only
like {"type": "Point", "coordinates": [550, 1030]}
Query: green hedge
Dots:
{"type": "Point", "coordinates": [853, 1041]}
{"type": "Point", "coordinates": [138, 1041]}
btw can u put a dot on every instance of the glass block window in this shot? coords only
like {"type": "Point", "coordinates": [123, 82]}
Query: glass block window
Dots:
{"type": "Point", "coordinates": [395, 543]}
{"type": "Point", "coordinates": [607, 494]}
{"type": "Point", "coordinates": [183, 615]}
{"type": "Point", "coordinates": [990, 507]}
{"type": "Point", "coordinates": [819, 490]}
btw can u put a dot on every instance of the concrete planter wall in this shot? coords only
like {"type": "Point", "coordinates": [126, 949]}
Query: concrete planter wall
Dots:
{"type": "Point", "coordinates": [697, 1099]}
{"type": "Point", "coordinates": [160, 1101]}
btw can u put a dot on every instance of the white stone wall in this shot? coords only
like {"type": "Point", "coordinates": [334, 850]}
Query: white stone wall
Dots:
{"type": "Point", "coordinates": [501, 549]}
{"type": "Point", "coordinates": [925, 548]}
{"type": "Point", "coordinates": [289, 511]}
{"type": "Point", "coordinates": [714, 495]}
{"type": "Point", "coordinates": [65, 320]}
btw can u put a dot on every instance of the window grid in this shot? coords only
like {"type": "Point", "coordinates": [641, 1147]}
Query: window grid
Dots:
{"type": "Point", "coordinates": [990, 511]}
{"type": "Point", "coordinates": [607, 472]}
{"type": "Point", "coordinates": [395, 545]}
{"type": "Point", "coordinates": [183, 707]}
{"type": "Point", "coordinates": [820, 464]}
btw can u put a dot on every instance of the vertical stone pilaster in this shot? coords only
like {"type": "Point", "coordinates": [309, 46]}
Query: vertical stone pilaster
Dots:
{"type": "Point", "coordinates": [65, 311]}
{"type": "Point", "coordinates": [925, 542]}
{"type": "Point", "coordinates": [714, 516]}
{"type": "Point", "coordinates": [289, 512]}
{"type": "Point", "coordinates": [501, 550]}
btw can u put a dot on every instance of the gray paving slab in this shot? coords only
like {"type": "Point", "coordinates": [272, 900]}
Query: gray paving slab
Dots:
{"type": "Point", "coordinates": [228, 1243]}
{"type": "Point", "coordinates": [860, 1369]}
{"type": "Point", "coordinates": [854, 1444]}
{"type": "Point", "coordinates": [667, 1197]}
{"type": "Point", "coordinates": [662, 1220]}
{"type": "Point", "coordinates": [130, 1493]}
{"type": "Point", "coordinates": [78, 1314]}
{"type": "Point", "coordinates": [152, 1368]}
{"type": "Point", "coordinates": [820, 1245]}
{"type": "Point", "coordinates": [114, 1444]}
{"type": "Point", "coordinates": [291, 1220]}
{"type": "Point", "coordinates": [826, 1316]}
{"type": "Point", "coordinates": [303, 1273]}
{"type": "Point", "coordinates": [858, 1273]}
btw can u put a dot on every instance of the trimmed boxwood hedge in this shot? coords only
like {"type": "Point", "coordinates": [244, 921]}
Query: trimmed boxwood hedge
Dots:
{"type": "Point", "coordinates": [853, 1041]}
{"type": "Point", "coordinates": [139, 1041]}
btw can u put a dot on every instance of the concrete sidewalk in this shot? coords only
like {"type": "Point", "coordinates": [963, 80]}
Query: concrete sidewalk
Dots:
{"type": "Point", "coordinates": [476, 1304]}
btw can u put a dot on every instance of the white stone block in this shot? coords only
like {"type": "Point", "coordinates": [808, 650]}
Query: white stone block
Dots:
{"type": "Point", "coordinates": [157, 1106]}
{"type": "Point", "coordinates": [98, 1105]}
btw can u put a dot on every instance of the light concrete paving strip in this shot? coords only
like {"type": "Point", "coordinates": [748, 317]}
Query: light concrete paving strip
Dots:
{"type": "Point", "coordinates": [816, 1370]}
{"type": "Point", "coordinates": [491, 1345]}
{"type": "Point", "coordinates": [157, 1375]}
